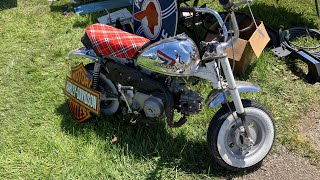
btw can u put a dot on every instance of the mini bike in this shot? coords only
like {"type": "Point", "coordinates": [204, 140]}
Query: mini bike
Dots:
{"type": "Point", "coordinates": [135, 76]}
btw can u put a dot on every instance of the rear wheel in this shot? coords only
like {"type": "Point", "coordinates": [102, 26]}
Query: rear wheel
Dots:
{"type": "Point", "coordinates": [226, 136]}
{"type": "Point", "coordinates": [109, 94]}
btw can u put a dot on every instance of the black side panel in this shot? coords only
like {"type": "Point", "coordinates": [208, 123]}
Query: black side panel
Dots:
{"type": "Point", "coordinates": [131, 77]}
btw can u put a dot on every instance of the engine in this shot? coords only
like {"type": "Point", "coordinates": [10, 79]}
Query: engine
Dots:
{"type": "Point", "coordinates": [154, 95]}
{"type": "Point", "coordinates": [150, 105]}
{"type": "Point", "coordinates": [186, 101]}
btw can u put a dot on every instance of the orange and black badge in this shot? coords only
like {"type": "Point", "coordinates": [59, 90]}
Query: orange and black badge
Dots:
{"type": "Point", "coordinates": [82, 99]}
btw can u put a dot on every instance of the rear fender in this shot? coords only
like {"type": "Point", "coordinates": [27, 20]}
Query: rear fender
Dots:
{"type": "Point", "coordinates": [83, 52]}
{"type": "Point", "coordinates": [242, 87]}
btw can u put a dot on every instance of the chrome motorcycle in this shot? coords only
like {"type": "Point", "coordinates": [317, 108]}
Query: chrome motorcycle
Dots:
{"type": "Point", "coordinates": [147, 85]}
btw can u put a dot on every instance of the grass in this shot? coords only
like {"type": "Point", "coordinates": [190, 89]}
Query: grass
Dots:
{"type": "Point", "coordinates": [39, 139]}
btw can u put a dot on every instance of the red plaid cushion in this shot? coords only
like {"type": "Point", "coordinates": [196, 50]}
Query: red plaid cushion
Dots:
{"type": "Point", "coordinates": [111, 41]}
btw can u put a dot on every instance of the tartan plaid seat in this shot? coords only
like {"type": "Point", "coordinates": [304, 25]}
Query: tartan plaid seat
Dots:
{"type": "Point", "coordinates": [110, 41]}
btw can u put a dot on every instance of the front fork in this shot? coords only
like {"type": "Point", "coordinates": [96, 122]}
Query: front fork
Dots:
{"type": "Point", "coordinates": [236, 97]}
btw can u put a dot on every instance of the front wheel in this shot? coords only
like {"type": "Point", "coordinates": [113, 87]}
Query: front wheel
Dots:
{"type": "Point", "coordinates": [226, 136]}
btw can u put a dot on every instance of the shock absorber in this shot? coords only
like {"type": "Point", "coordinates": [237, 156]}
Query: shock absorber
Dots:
{"type": "Point", "coordinates": [96, 74]}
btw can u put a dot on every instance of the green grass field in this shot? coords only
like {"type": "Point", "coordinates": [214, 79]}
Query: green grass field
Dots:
{"type": "Point", "coordinates": [40, 140]}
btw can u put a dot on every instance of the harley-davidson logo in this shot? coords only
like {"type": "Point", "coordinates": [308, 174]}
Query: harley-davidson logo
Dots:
{"type": "Point", "coordinates": [82, 99]}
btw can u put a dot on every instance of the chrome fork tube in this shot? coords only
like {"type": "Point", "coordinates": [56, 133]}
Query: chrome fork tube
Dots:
{"type": "Point", "coordinates": [232, 85]}
{"type": "Point", "coordinates": [236, 98]}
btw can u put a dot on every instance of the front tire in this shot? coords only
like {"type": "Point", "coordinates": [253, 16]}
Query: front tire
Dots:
{"type": "Point", "coordinates": [225, 136]}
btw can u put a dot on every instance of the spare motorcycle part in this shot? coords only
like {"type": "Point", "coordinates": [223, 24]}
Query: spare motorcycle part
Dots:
{"type": "Point", "coordinates": [312, 62]}
{"type": "Point", "coordinates": [287, 46]}
{"type": "Point", "coordinates": [281, 52]}
{"type": "Point", "coordinates": [108, 92]}
{"type": "Point", "coordinates": [117, 18]}
{"type": "Point", "coordinates": [226, 136]}
{"type": "Point", "coordinates": [287, 35]}
{"type": "Point", "coordinates": [309, 55]}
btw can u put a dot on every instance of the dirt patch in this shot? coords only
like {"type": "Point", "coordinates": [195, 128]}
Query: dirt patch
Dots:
{"type": "Point", "coordinates": [309, 125]}
{"type": "Point", "coordinates": [284, 165]}
{"type": "Point", "coordinates": [287, 165]}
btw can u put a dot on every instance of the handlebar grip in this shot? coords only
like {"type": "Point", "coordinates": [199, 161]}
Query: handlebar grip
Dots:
{"type": "Point", "coordinates": [186, 9]}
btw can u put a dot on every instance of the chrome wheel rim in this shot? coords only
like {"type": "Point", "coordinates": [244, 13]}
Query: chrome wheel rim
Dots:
{"type": "Point", "coordinates": [231, 145]}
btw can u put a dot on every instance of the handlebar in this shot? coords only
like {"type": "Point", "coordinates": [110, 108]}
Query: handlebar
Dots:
{"type": "Point", "coordinates": [229, 5]}
{"type": "Point", "coordinates": [210, 11]}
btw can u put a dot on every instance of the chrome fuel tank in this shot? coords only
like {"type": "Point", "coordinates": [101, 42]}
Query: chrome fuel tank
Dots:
{"type": "Point", "coordinates": [175, 56]}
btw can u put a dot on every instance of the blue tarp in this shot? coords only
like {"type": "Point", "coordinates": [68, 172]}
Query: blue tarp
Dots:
{"type": "Point", "coordinates": [100, 6]}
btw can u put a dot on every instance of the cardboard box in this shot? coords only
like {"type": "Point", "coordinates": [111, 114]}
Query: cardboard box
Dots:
{"type": "Point", "coordinates": [247, 48]}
